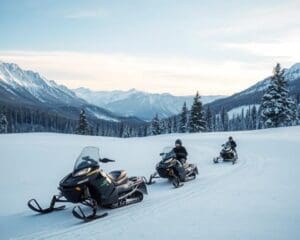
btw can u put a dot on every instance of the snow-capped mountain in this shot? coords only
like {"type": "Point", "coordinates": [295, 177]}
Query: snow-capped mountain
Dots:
{"type": "Point", "coordinates": [253, 94]}
{"type": "Point", "coordinates": [33, 87]}
{"type": "Point", "coordinates": [20, 87]}
{"type": "Point", "coordinates": [138, 103]}
{"type": "Point", "coordinates": [290, 75]}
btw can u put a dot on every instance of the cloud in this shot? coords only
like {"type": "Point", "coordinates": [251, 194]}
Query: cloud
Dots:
{"type": "Point", "coordinates": [266, 20]}
{"type": "Point", "coordinates": [85, 13]}
{"type": "Point", "coordinates": [285, 47]}
{"type": "Point", "coordinates": [179, 76]}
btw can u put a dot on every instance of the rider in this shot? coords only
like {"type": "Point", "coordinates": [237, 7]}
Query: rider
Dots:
{"type": "Point", "coordinates": [232, 143]}
{"type": "Point", "coordinates": [181, 153]}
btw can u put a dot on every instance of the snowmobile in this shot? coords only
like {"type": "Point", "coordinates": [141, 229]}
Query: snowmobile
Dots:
{"type": "Point", "coordinates": [91, 187]}
{"type": "Point", "coordinates": [169, 167]}
{"type": "Point", "coordinates": [227, 154]}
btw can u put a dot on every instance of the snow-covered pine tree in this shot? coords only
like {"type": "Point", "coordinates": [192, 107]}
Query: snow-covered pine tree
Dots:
{"type": "Point", "coordinates": [163, 126]}
{"type": "Point", "coordinates": [254, 117]}
{"type": "Point", "coordinates": [243, 120]}
{"type": "Point", "coordinates": [197, 121]}
{"type": "Point", "coordinates": [224, 119]}
{"type": "Point", "coordinates": [209, 119]}
{"type": "Point", "coordinates": [174, 125]}
{"type": "Point", "coordinates": [291, 112]}
{"type": "Point", "coordinates": [155, 126]}
{"type": "Point", "coordinates": [126, 132]}
{"type": "Point", "coordinates": [3, 123]}
{"type": "Point", "coordinates": [83, 126]}
{"type": "Point", "coordinates": [183, 119]}
{"type": "Point", "coordinates": [218, 123]}
{"type": "Point", "coordinates": [276, 105]}
{"type": "Point", "coordinates": [248, 122]}
{"type": "Point", "coordinates": [214, 122]}
{"type": "Point", "coordinates": [169, 125]}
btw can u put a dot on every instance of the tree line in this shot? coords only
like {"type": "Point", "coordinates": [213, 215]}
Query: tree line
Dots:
{"type": "Point", "coordinates": [19, 119]}
{"type": "Point", "coordinates": [277, 109]}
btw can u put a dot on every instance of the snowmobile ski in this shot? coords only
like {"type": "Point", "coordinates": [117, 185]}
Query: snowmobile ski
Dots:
{"type": "Point", "coordinates": [227, 154]}
{"type": "Point", "coordinates": [78, 213]}
{"type": "Point", "coordinates": [169, 167]}
{"type": "Point", "coordinates": [35, 206]}
{"type": "Point", "coordinates": [90, 186]}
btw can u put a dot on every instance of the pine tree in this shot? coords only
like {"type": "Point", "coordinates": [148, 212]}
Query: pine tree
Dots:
{"type": "Point", "coordinates": [169, 125]}
{"type": "Point", "coordinates": [183, 119]}
{"type": "Point", "coordinates": [209, 119]}
{"type": "Point", "coordinates": [214, 122]}
{"type": "Point", "coordinates": [254, 117]}
{"type": "Point", "coordinates": [224, 120]}
{"type": "Point", "coordinates": [83, 126]}
{"type": "Point", "coordinates": [291, 113]}
{"type": "Point", "coordinates": [3, 123]}
{"type": "Point", "coordinates": [197, 122]}
{"type": "Point", "coordinates": [174, 125]}
{"type": "Point", "coordinates": [162, 126]}
{"type": "Point", "coordinates": [276, 105]}
{"type": "Point", "coordinates": [248, 122]}
{"type": "Point", "coordinates": [155, 126]}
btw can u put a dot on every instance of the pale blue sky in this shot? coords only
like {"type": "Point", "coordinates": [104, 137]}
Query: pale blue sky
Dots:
{"type": "Point", "coordinates": [155, 45]}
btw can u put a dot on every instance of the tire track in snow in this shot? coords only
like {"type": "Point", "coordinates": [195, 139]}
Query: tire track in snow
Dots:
{"type": "Point", "coordinates": [160, 196]}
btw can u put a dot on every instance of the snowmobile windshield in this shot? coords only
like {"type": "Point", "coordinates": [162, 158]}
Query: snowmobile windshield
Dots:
{"type": "Point", "coordinates": [227, 146]}
{"type": "Point", "coordinates": [168, 153]}
{"type": "Point", "coordinates": [88, 157]}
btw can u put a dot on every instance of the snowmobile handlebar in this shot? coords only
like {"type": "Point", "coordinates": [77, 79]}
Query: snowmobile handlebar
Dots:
{"type": "Point", "coordinates": [106, 160]}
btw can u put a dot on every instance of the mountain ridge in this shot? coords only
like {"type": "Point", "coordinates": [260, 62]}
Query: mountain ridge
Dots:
{"type": "Point", "coordinates": [28, 88]}
{"type": "Point", "coordinates": [139, 103]}
{"type": "Point", "coordinates": [253, 94]}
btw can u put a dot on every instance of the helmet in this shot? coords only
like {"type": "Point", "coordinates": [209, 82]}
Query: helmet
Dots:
{"type": "Point", "coordinates": [178, 141]}
{"type": "Point", "coordinates": [230, 138]}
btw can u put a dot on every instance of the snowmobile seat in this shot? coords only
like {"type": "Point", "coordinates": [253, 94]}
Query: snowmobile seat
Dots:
{"type": "Point", "coordinates": [186, 165]}
{"type": "Point", "coordinates": [119, 177]}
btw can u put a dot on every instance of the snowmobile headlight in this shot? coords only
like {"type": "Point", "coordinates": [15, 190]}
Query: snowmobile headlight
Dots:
{"type": "Point", "coordinates": [82, 172]}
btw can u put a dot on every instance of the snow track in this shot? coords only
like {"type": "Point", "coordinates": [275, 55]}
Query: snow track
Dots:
{"type": "Point", "coordinates": [257, 198]}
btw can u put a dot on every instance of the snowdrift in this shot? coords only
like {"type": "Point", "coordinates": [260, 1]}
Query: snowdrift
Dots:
{"type": "Point", "coordinates": [258, 198]}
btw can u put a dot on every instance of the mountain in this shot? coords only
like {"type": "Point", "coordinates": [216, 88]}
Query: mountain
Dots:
{"type": "Point", "coordinates": [138, 103]}
{"type": "Point", "coordinates": [253, 94]}
{"type": "Point", "coordinates": [20, 87]}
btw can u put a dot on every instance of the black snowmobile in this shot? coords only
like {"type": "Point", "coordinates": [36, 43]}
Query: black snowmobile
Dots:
{"type": "Point", "coordinates": [169, 167]}
{"type": "Point", "coordinates": [227, 154]}
{"type": "Point", "coordinates": [92, 187]}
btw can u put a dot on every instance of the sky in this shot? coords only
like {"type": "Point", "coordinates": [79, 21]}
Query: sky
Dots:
{"type": "Point", "coordinates": [215, 47]}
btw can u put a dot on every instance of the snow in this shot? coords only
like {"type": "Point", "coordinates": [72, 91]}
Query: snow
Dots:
{"type": "Point", "coordinates": [258, 198]}
{"type": "Point", "coordinates": [238, 110]}
{"type": "Point", "coordinates": [290, 75]}
{"type": "Point", "coordinates": [138, 103]}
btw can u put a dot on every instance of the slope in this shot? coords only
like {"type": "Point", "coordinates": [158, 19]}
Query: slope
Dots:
{"type": "Point", "coordinates": [258, 198]}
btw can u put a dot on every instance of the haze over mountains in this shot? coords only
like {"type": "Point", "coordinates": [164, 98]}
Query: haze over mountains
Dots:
{"type": "Point", "coordinates": [20, 87]}
{"type": "Point", "coordinates": [138, 103]}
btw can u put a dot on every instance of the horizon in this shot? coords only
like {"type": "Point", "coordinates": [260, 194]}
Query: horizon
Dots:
{"type": "Point", "coordinates": [158, 47]}
{"type": "Point", "coordinates": [133, 88]}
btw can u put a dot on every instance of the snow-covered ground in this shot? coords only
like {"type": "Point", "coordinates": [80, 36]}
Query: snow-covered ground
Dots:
{"type": "Point", "coordinates": [238, 110]}
{"type": "Point", "coordinates": [258, 198]}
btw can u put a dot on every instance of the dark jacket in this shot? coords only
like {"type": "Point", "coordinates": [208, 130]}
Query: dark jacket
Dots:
{"type": "Point", "coordinates": [180, 152]}
{"type": "Point", "coordinates": [233, 144]}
